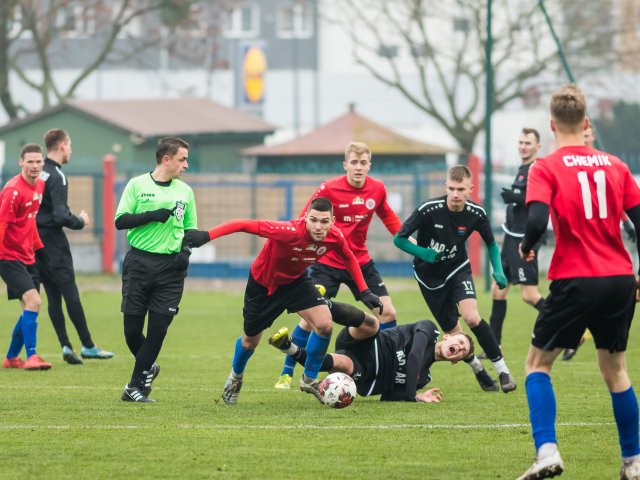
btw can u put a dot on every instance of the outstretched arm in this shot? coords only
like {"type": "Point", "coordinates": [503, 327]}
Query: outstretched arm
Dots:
{"type": "Point", "coordinates": [406, 245]}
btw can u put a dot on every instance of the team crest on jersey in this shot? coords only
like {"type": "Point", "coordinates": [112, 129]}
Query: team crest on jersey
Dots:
{"type": "Point", "coordinates": [179, 210]}
{"type": "Point", "coordinates": [313, 247]}
{"type": "Point", "coordinates": [357, 201]}
{"type": "Point", "coordinates": [321, 250]}
{"type": "Point", "coordinates": [462, 230]}
{"type": "Point", "coordinates": [44, 176]}
{"type": "Point", "coordinates": [370, 204]}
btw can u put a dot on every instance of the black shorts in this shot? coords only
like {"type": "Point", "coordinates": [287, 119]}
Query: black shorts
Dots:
{"type": "Point", "coordinates": [261, 310]}
{"type": "Point", "coordinates": [604, 305]}
{"type": "Point", "coordinates": [151, 282]}
{"type": "Point", "coordinates": [363, 355]}
{"type": "Point", "coordinates": [331, 278]}
{"type": "Point", "coordinates": [517, 270]}
{"type": "Point", "coordinates": [443, 302]}
{"type": "Point", "coordinates": [58, 268]}
{"type": "Point", "coordinates": [19, 277]}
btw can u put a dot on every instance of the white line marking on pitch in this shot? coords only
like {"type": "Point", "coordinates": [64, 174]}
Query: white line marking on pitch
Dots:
{"type": "Point", "coordinates": [299, 427]}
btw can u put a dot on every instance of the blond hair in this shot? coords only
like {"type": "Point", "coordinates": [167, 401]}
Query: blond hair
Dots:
{"type": "Point", "coordinates": [458, 173]}
{"type": "Point", "coordinates": [358, 148]}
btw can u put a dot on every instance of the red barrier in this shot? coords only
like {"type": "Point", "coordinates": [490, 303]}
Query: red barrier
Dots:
{"type": "Point", "coordinates": [475, 240]}
{"type": "Point", "coordinates": [108, 212]}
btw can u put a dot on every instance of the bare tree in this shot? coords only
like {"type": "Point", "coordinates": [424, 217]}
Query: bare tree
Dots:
{"type": "Point", "coordinates": [433, 52]}
{"type": "Point", "coordinates": [35, 36]}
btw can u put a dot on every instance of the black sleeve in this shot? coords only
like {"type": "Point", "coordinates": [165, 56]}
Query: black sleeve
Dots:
{"type": "Point", "coordinates": [485, 231]}
{"type": "Point", "coordinates": [411, 224]}
{"type": "Point", "coordinates": [537, 220]}
{"type": "Point", "coordinates": [414, 361]}
{"type": "Point", "coordinates": [127, 221]}
{"type": "Point", "coordinates": [62, 215]}
{"type": "Point", "coordinates": [634, 215]}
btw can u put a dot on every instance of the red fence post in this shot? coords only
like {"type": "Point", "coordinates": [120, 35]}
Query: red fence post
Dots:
{"type": "Point", "coordinates": [474, 240]}
{"type": "Point", "coordinates": [108, 212]}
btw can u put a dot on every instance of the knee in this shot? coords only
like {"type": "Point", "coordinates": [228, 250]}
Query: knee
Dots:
{"type": "Point", "coordinates": [531, 298]}
{"type": "Point", "coordinates": [472, 319]}
{"type": "Point", "coordinates": [32, 301]}
{"type": "Point", "coordinates": [250, 343]}
{"type": "Point", "coordinates": [388, 314]}
{"type": "Point", "coordinates": [324, 329]}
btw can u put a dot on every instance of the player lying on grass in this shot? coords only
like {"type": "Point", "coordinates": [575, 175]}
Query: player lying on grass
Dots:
{"type": "Point", "coordinates": [392, 363]}
{"type": "Point", "coordinates": [278, 282]}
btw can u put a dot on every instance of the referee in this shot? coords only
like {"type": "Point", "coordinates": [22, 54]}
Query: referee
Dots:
{"type": "Point", "coordinates": [156, 208]}
{"type": "Point", "coordinates": [55, 267]}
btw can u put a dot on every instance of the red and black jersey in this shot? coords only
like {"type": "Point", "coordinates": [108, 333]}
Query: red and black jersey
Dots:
{"type": "Point", "coordinates": [586, 191]}
{"type": "Point", "coordinates": [354, 209]}
{"type": "Point", "coordinates": [19, 204]}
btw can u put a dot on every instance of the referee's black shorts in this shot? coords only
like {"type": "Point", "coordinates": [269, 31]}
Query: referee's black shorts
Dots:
{"type": "Point", "coordinates": [604, 305]}
{"type": "Point", "coordinates": [261, 310]}
{"type": "Point", "coordinates": [151, 282]}
{"type": "Point", "coordinates": [19, 277]}
{"type": "Point", "coordinates": [58, 268]}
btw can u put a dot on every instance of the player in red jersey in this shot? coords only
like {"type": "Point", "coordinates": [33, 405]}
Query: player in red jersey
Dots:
{"type": "Point", "coordinates": [355, 197]}
{"type": "Point", "coordinates": [278, 282]}
{"type": "Point", "coordinates": [593, 284]}
{"type": "Point", "coordinates": [19, 203]}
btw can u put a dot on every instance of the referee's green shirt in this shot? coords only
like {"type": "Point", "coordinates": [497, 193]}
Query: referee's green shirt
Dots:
{"type": "Point", "coordinates": [143, 194]}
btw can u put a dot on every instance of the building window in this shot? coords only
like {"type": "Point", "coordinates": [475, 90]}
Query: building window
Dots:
{"type": "Point", "coordinates": [294, 20]}
{"type": "Point", "coordinates": [242, 21]}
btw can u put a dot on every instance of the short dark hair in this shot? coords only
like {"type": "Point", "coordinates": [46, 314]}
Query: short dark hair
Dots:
{"type": "Point", "coordinates": [30, 148]}
{"type": "Point", "coordinates": [321, 204]}
{"type": "Point", "coordinates": [532, 131]}
{"type": "Point", "coordinates": [568, 107]}
{"type": "Point", "coordinates": [169, 146]}
{"type": "Point", "coordinates": [54, 137]}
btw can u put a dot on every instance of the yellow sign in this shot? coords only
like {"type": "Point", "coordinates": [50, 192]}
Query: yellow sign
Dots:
{"type": "Point", "coordinates": [253, 70]}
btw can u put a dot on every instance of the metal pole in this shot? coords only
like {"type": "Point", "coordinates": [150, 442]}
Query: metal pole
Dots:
{"type": "Point", "coordinates": [488, 184]}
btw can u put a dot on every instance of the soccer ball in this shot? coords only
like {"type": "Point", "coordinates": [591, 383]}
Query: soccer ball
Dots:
{"type": "Point", "coordinates": [338, 390]}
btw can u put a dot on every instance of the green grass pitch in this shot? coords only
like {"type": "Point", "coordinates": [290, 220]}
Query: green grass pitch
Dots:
{"type": "Point", "coordinates": [69, 422]}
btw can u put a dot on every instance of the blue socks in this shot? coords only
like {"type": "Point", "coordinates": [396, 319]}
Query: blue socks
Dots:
{"type": "Point", "coordinates": [625, 411]}
{"type": "Point", "coordinates": [17, 340]}
{"type": "Point", "coordinates": [384, 326]}
{"type": "Point", "coordinates": [542, 408]}
{"type": "Point", "coordinates": [300, 337]}
{"type": "Point", "coordinates": [29, 331]}
{"type": "Point", "coordinates": [316, 349]}
{"type": "Point", "coordinates": [240, 357]}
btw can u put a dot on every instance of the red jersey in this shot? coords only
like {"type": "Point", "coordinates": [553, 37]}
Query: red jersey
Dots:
{"type": "Point", "coordinates": [19, 204]}
{"type": "Point", "coordinates": [353, 209]}
{"type": "Point", "coordinates": [586, 190]}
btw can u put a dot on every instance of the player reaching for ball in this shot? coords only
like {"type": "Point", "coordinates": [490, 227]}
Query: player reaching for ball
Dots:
{"type": "Point", "coordinates": [392, 363]}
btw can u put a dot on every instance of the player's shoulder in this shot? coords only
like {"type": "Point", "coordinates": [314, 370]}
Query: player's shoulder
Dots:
{"type": "Point", "coordinates": [427, 326]}
{"type": "Point", "coordinates": [335, 233]}
{"type": "Point", "coordinates": [474, 208]}
{"type": "Point", "coordinates": [432, 204]}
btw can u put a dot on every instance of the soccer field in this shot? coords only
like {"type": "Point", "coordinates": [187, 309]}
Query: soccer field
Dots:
{"type": "Point", "coordinates": [69, 422]}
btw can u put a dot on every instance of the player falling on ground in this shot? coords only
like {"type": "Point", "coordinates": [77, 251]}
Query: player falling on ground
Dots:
{"type": "Point", "coordinates": [592, 280]}
{"type": "Point", "coordinates": [278, 282]}
{"type": "Point", "coordinates": [443, 271]}
{"type": "Point", "coordinates": [393, 363]}
{"type": "Point", "coordinates": [355, 197]}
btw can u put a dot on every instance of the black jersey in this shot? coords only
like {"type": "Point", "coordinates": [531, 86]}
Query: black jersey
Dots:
{"type": "Point", "coordinates": [446, 232]}
{"type": "Point", "coordinates": [406, 355]}
{"type": "Point", "coordinates": [54, 211]}
{"type": "Point", "coordinates": [516, 218]}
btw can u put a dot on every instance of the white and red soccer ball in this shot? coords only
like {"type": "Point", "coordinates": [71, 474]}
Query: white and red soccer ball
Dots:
{"type": "Point", "coordinates": [338, 390]}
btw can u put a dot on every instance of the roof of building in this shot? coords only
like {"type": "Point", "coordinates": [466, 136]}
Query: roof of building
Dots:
{"type": "Point", "coordinates": [332, 139]}
{"type": "Point", "coordinates": [155, 117]}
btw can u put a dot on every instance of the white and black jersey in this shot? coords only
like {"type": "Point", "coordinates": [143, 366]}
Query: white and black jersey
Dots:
{"type": "Point", "coordinates": [54, 211]}
{"type": "Point", "coordinates": [446, 232]}
{"type": "Point", "coordinates": [516, 218]}
{"type": "Point", "coordinates": [395, 362]}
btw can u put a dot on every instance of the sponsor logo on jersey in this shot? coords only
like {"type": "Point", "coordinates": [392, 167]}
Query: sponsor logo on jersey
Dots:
{"type": "Point", "coordinates": [462, 230]}
{"type": "Point", "coordinates": [437, 225]}
{"type": "Point", "coordinates": [179, 210]}
{"type": "Point", "coordinates": [370, 203]}
{"type": "Point", "coordinates": [357, 201]}
{"type": "Point", "coordinates": [294, 259]}
{"type": "Point", "coordinates": [343, 205]}
{"type": "Point", "coordinates": [520, 177]}
{"type": "Point", "coordinates": [321, 250]}
{"type": "Point", "coordinates": [147, 195]}
{"type": "Point", "coordinates": [297, 249]}
{"type": "Point", "coordinates": [347, 218]}
{"type": "Point", "coordinates": [311, 248]}
{"type": "Point", "coordinates": [359, 218]}
{"type": "Point", "coordinates": [309, 259]}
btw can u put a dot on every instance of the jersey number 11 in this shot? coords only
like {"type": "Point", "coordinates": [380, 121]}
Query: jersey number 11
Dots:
{"type": "Point", "coordinates": [601, 192]}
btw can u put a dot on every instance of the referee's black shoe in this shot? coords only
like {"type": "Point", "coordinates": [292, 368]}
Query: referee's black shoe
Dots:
{"type": "Point", "coordinates": [134, 394]}
{"type": "Point", "coordinates": [485, 381]}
